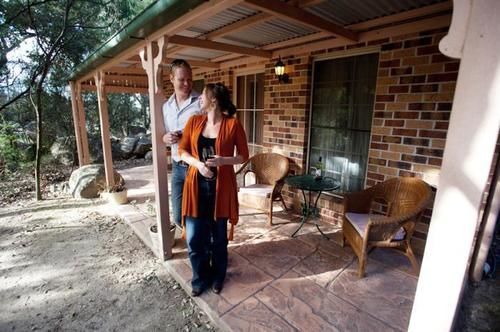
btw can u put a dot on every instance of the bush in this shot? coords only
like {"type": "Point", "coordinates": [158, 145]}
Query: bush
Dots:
{"type": "Point", "coordinates": [9, 152]}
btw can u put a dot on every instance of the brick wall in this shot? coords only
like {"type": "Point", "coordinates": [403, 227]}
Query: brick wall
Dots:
{"type": "Point", "coordinates": [414, 94]}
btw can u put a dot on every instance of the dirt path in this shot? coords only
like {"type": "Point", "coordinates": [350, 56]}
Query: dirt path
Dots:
{"type": "Point", "coordinates": [64, 266]}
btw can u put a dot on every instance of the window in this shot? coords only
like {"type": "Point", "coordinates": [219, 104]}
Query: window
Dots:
{"type": "Point", "coordinates": [250, 105]}
{"type": "Point", "coordinates": [341, 117]}
{"type": "Point", "coordinates": [198, 85]}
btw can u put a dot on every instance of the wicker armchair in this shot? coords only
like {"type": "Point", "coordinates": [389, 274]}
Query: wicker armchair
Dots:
{"type": "Point", "coordinates": [269, 170]}
{"type": "Point", "coordinates": [406, 199]}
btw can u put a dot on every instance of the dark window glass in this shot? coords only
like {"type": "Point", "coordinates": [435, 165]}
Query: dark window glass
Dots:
{"type": "Point", "coordinates": [342, 110]}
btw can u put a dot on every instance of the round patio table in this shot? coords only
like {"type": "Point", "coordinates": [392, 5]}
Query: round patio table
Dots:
{"type": "Point", "coordinates": [311, 184]}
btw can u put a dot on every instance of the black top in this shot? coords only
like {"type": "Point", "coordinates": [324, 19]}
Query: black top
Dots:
{"type": "Point", "coordinates": [206, 150]}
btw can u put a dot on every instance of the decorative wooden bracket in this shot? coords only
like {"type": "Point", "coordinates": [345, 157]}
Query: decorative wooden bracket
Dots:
{"type": "Point", "coordinates": [152, 64]}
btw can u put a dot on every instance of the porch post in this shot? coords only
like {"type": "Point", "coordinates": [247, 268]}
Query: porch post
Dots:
{"type": "Point", "coordinates": [470, 144]}
{"type": "Point", "coordinates": [76, 123]}
{"type": "Point", "coordinates": [83, 124]}
{"type": "Point", "coordinates": [156, 99]}
{"type": "Point", "coordinates": [102, 102]}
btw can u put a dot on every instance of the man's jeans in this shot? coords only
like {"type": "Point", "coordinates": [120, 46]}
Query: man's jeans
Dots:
{"type": "Point", "coordinates": [178, 177]}
{"type": "Point", "coordinates": [207, 240]}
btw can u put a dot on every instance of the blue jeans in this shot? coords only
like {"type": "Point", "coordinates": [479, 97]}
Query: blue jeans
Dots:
{"type": "Point", "coordinates": [206, 239]}
{"type": "Point", "coordinates": [177, 183]}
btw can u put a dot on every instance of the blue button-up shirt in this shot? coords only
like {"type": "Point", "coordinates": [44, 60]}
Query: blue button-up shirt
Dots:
{"type": "Point", "coordinates": [176, 116]}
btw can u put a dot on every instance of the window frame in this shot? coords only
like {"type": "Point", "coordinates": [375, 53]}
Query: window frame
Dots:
{"type": "Point", "coordinates": [253, 70]}
{"type": "Point", "coordinates": [333, 56]}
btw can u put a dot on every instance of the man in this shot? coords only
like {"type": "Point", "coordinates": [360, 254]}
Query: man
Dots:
{"type": "Point", "coordinates": [176, 111]}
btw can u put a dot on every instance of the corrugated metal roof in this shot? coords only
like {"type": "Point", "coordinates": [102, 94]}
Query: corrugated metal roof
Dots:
{"type": "Point", "coordinates": [199, 53]}
{"type": "Point", "coordinates": [345, 12]}
{"type": "Point", "coordinates": [223, 18]}
{"type": "Point", "coordinates": [272, 31]}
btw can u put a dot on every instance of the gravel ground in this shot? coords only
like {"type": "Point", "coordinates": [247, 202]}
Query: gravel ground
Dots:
{"type": "Point", "coordinates": [66, 266]}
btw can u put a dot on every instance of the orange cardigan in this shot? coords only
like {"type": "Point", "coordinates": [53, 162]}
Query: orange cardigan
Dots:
{"type": "Point", "coordinates": [231, 134]}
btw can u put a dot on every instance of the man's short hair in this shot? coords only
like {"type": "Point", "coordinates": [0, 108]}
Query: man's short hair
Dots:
{"type": "Point", "coordinates": [179, 63]}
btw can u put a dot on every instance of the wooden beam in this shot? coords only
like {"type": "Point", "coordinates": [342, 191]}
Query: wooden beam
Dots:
{"type": "Point", "coordinates": [194, 63]}
{"type": "Point", "coordinates": [301, 16]}
{"type": "Point", "coordinates": [117, 89]}
{"type": "Point", "coordinates": [126, 70]}
{"type": "Point", "coordinates": [208, 44]}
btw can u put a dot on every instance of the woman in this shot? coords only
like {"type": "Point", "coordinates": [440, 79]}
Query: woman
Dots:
{"type": "Point", "coordinates": [210, 195]}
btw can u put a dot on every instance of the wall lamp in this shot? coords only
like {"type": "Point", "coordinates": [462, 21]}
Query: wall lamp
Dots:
{"type": "Point", "coordinates": [279, 70]}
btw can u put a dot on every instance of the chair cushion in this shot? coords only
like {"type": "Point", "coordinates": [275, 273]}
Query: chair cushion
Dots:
{"type": "Point", "coordinates": [257, 189]}
{"type": "Point", "coordinates": [360, 220]}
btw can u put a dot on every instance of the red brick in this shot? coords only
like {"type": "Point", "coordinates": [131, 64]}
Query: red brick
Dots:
{"type": "Point", "coordinates": [421, 106]}
{"type": "Point", "coordinates": [386, 98]}
{"type": "Point", "coordinates": [389, 63]}
{"type": "Point", "coordinates": [399, 164]}
{"type": "Point", "coordinates": [391, 46]}
{"type": "Point", "coordinates": [379, 146]}
{"type": "Point", "coordinates": [401, 71]}
{"type": "Point", "coordinates": [428, 50]}
{"type": "Point", "coordinates": [392, 139]}
{"type": "Point", "coordinates": [442, 125]}
{"type": "Point", "coordinates": [412, 79]}
{"type": "Point", "coordinates": [418, 42]}
{"type": "Point", "coordinates": [406, 115]}
{"type": "Point", "coordinates": [398, 89]}
{"type": "Point", "coordinates": [394, 123]}
{"type": "Point", "coordinates": [382, 115]}
{"type": "Point", "coordinates": [377, 161]}
{"type": "Point", "coordinates": [416, 141]}
{"type": "Point", "coordinates": [430, 152]}
{"type": "Point", "coordinates": [452, 66]}
{"type": "Point", "coordinates": [414, 159]}
{"type": "Point", "coordinates": [376, 176]}
{"type": "Point", "coordinates": [424, 88]}
{"type": "Point", "coordinates": [432, 134]}
{"type": "Point", "coordinates": [441, 58]}
{"type": "Point", "coordinates": [447, 77]}
{"type": "Point", "coordinates": [379, 106]}
{"type": "Point", "coordinates": [435, 161]}
{"type": "Point", "coordinates": [435, 115]}
{"type": "Point", "coordinates": [404, 132]}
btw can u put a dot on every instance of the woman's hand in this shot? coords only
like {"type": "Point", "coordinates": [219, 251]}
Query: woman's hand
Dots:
{"type": "Point", "coordinates": [204, 170]}
{"type": "Point", "coordinates": [215, 161]}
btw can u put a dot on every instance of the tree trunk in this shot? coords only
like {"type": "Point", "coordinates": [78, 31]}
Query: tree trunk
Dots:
{"type": "Point", "coordinates": [38, 154]}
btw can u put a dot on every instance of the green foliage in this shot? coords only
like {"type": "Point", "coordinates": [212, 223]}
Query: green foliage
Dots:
{"type": "Point", "coordinates": [9, 153]}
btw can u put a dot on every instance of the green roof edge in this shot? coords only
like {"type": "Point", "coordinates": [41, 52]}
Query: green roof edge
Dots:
{"type": "Point", "coordinates": [152, 18]}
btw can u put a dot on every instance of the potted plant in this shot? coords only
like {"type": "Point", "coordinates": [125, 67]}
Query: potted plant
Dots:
{"type": "Point", "coordinates": [153, 232]}
{"type": "Point", "coordinates": [116, 194]}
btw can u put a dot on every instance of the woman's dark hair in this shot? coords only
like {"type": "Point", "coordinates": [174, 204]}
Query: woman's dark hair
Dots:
{"type": "Point", "coordinates": [221, 94]}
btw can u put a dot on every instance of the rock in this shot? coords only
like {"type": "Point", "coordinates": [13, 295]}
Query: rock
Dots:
{"type": "Point", "coordinates": [149, 155]}
{"type": "Point", "coordinates": [88, 181]}
{"type": "Point", "coordinates": [63, 150]}
{"type": "Point", "coordinates": [142, 146]}
{"type": "Point", "coordinates": [128, 145]}
{"type": "Point", "coordinates": [136, 131]}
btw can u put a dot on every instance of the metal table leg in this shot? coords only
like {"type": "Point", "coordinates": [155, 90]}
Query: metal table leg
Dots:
{"type": "Point", "coordinates": [307, 211]}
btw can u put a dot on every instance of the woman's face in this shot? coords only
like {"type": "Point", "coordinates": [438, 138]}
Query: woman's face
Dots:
{"type": "Point", "coordinates": [205, 101]}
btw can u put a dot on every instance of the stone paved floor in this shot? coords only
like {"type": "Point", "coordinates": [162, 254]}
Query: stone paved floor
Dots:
{"type": "Point", "coordinates": [278, 283]}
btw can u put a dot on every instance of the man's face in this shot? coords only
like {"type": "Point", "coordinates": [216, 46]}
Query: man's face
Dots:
{"type": "Point", "coordinates": [182, 80]}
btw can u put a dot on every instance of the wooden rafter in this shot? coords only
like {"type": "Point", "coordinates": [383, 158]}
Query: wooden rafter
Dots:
{"type": "Point", "coordinates": [286, 11]}
{"type": "Point", "coordinates": [208, 44]}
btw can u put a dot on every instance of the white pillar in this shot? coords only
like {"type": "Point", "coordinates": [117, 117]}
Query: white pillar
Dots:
{"type": "Point", "coordinates": [470, 144]}
{"type": "Point", "coordinates": [151, 65]}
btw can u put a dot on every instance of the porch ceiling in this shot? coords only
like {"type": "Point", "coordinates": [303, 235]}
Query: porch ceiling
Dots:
{"type": "Point", "coordinates": [216, 33]}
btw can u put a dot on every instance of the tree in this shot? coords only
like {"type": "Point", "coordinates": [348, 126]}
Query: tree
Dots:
{"type": "Point", "coordinates": [62, 33]}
